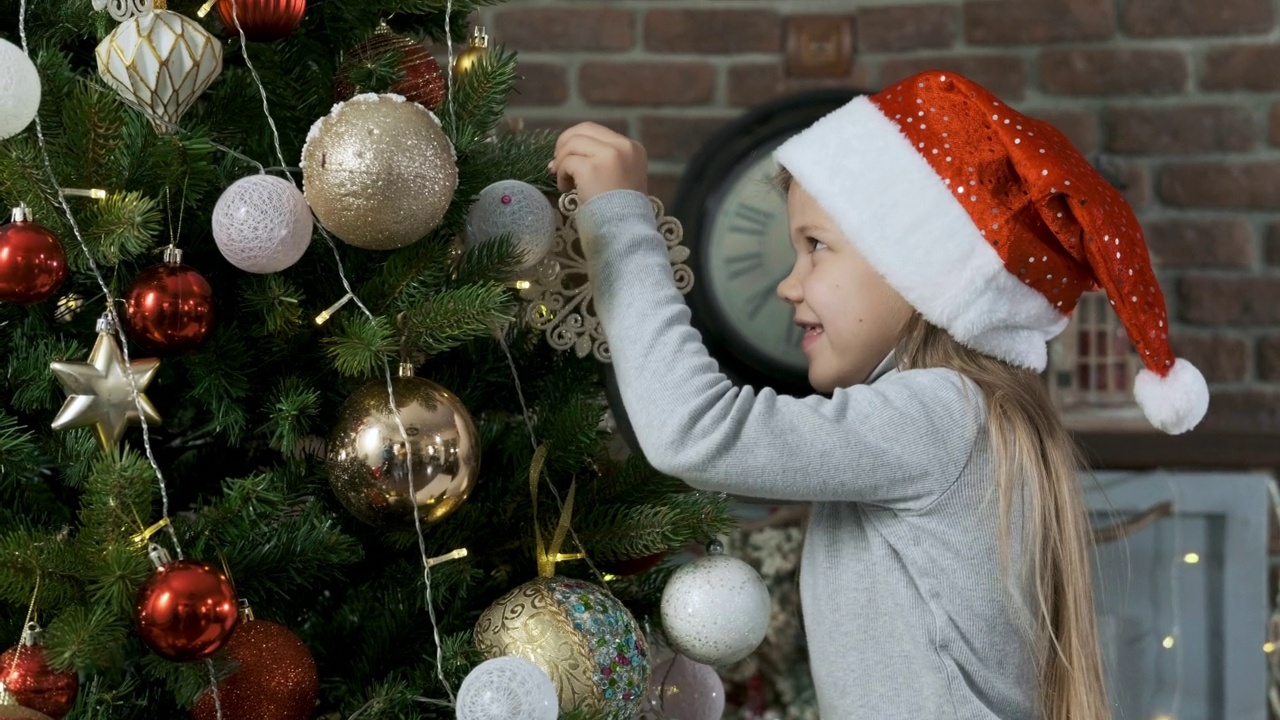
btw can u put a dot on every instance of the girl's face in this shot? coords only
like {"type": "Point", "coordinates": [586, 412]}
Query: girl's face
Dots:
{"type": "Point", "coordinates": [850, 314]}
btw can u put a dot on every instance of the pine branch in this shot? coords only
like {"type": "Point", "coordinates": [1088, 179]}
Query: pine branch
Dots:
{"type": "Point", "coordinates": [478, 100]}
{"type": "Point", "coordinates": [360, 346]}
{"type": "Point", "coordinates": [293, 406]}
{"type": "Point", "coordinates": [19, 453]}
{"type": "Point", "coordinates": [32, 349]}
{"type": "Point", "coordinates": [452, 317]}
{"type": "Point", "coordinates": [85, 639]}
{"type": "Point", "coordinates": [277, 302]}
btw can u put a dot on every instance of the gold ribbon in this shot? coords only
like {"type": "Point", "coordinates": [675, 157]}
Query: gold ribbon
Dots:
{"type": "Point", "coordinates": [143, 537]}
{"type": "Point", "coordinates": [549, 556]}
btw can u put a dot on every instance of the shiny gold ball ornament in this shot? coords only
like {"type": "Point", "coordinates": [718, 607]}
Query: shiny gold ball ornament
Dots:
{"type": "Point", "coordinates": [477, 49]}
{"type": "Point", "coordinates": [379, 172]}
{"type": "Point", "coordinates": [372, 464]}
{"type": "Point", "coordinates": [586, 641]}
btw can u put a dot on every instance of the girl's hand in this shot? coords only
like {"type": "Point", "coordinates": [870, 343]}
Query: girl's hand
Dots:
{"type": "Point", "coordinates": [594, 160]}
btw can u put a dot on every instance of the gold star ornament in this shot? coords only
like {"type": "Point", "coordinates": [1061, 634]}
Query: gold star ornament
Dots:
{"type": "Point", "coordinates": [99, 392]}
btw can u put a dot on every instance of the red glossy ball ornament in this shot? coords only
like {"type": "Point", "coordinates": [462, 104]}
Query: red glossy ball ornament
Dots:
{"type": "Point", "coordinates": [420, 78]}
{"type": "Point", "coordinates": [169, 308]}
{"type": "Point", "coordinates": [263, 20]}
{"type": "Point", "coordinates": [186, 610]}
{"type": "Point", "coordinates": [276, 678]}
{"type": "Point", "coordinates": [32, 261]}
{"type": "Point", "coordinates": [32, 683]}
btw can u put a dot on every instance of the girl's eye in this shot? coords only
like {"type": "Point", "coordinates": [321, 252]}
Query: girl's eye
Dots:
{"type": "Point", "coordinates": [815, 244]}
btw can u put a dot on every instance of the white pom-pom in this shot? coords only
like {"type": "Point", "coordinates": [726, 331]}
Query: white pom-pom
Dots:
{"type": "Point", "coordinates": [507, 688]}
{"type": "Point", "coordinates": [1176, 402]}
{"type": "Point", "coordinates": [262, 224]}
{"type": "Point", "coordinates": [518, 209]}
{"type": "Point", "coordinates": [19, 90]}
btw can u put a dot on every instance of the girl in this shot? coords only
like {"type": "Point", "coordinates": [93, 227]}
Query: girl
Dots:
{"type": "Point", "coordinates": [941, 240]}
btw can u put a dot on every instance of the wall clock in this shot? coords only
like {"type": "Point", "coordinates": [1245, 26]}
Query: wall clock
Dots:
{"type": "Point", "coordinates": [735, 222]}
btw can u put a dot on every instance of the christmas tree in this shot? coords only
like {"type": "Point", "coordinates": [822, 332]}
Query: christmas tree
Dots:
{"type": "Point", "coordinates": [259, 336]}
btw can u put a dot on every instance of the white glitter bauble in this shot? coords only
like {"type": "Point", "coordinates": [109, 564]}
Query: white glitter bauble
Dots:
{"type": "Point", "coordinates": [379, 171]}
{"type": "Point", "coordinates": [715, 610]}
{"type": "Point", "coordinates": [518, 209]}
{"type": "Point", "coordinates": [19, 90]}
{"type": "Point", "coordinates": [262, 224]}
{"type": "Point", "coordinates": [507, 688]}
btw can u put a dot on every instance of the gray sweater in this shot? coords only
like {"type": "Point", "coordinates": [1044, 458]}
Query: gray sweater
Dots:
{"type": "Point", "coordinates": [905, 608]}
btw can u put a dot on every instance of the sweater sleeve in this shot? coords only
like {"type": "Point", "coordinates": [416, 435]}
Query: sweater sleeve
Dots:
{"type": "Point", "coordinates": [900, 441]}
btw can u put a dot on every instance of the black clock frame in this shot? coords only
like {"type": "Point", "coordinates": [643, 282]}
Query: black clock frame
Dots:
{"type": "Point", "coordinates": [700, 193]}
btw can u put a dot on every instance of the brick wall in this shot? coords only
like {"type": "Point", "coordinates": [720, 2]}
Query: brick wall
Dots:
{"type": "Point", "coordinates": [1179, 99]}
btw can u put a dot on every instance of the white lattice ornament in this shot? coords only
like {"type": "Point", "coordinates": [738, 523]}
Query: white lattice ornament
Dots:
{"type": "Point", "coordinates": [262, 224]}
{"type": "Point", "coordinates": [507, 688]}
{"type": "Point", "coordinates": [19, 90]}
{"type": "Point", "coordinates": [561, 299]}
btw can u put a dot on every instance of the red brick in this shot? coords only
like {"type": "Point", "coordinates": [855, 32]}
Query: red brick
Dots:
{"type": "Point", "coordinates": [1242, 67]}
{"type": "Point", "coordinates": [663, 186]}
{"type": "Point", "coordinates": [1273, 125]}
{"type": "Point", "coordinates": [1179, 18]}
{"type": "Point", "coordinates": [1235, 300]}
{"type": "Point", "coordinates": [1272, 251]}
{"type": "Point", "coordinates": [562, 28]}
{"type": "Point", "coordinates": [676, 138]}
{"type": "Point", "coordinates": [1220, 358]}
{"type": "Point", "coordinates": [1080, 127]}
{"type": "Point", "coordinates": [1179, 130]}
{"type": "Point", "coordinates": [1024, 22]}
{"type": "Point", "coordinates": [908, 27]}
{"type": "Point", "coordinates": [1135, 184]}
{"type": "Point", "coordinates": [560, 124]}
{"type": "Point", "coordinates": [1200, 243]}
{"type": "Point", "coordinates": [540, 84]}
{"type": "Point", "coordinates": [712, 31]}
{"type": "Point", "coordinates": [1004, 75]}
{"type": "Point", "coordinates": [1219, 185]}
{"type": "Point", "coordinates": [755, 83]}
{"type": "Point", "coordinates": [1269, 358]}
{"type": "Point", "coordinates": [1083, 71]}
{"type": "Point", "coordinates": [646, 83]}
{"type": "Point", "coordinates": [1243, 411]}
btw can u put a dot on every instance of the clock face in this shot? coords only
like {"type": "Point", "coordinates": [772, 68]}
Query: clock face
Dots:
{"type": "Point", "coordinates": [748, 252]}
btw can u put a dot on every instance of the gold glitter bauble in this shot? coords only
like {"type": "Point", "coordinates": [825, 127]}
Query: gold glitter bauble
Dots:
{"type": "Point", "coordinates": [370, 464]}
{"type": "Point", "coordinates": [379, 172]}
{"type": "Point", "coordinates": [586, 641]}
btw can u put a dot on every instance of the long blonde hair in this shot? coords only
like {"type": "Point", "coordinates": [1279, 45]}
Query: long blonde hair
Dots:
{"type": "Point", "coordinates": [1036, 461]}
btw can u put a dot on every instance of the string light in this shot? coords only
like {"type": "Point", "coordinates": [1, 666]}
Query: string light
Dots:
{"type": "Point", "coordinates": [1191, 558]}
{"type": "Point", "coordinates": [1167, 642]}
{"type": "Point", "coordinates": [447, 557]}
{"type": "Point", "coordinates": [323, 317]}
{"type": "Point", "coordinates": [91, 193]}
{"type": "Point", "coordinates": [1268, 647]}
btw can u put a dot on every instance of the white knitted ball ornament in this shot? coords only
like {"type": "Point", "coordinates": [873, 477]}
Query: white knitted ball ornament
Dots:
{"type": "Point", "coordinates": [518, 209]}
{"type": "Point", "coordinates": [262, 224]}
{"type": "Point", "coordinates": [507, 688]}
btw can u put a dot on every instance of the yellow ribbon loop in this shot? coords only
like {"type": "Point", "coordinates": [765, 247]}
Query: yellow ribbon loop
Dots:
{"type": "Point", "coordinates": [549, 556]}
{"type": "Point", "coordinates": [145, 536]}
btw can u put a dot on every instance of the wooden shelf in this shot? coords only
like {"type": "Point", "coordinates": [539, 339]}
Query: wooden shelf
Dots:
{"type": "Point", "coordinates": [1200, 450]}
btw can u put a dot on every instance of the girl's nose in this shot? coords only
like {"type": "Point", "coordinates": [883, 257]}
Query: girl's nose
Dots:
{"type": "Point", "coordinates": [790, 288]}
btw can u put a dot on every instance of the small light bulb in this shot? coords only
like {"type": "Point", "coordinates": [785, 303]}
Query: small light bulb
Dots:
{"type": "Point", "coordinates": [1191, 558]}
{"type": "Point", "coordinates": [1268, 647]}
{"type": "Point", "coordinates": [1168, 642]}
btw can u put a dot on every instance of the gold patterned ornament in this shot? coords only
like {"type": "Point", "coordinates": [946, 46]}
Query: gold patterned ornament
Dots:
{"type": "Point", "coordinates": [160, 62]}
{"type": "Point", "coordinates": [371, 463]}
{"type": "Point", "coordinates": [379, 172]}
{"type": "Point", "coordinates": [586, 641]}
{"type": "Point", "coordinates": [560, 297]}
{"type": "Point", "coordinates": [477, 49]}
{"type": "Point", "coordinates": [100, 393]}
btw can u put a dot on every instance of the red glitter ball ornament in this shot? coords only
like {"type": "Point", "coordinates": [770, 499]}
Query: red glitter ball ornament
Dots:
{"type": "Point", "coordinates": [33, 264]}
{"type": "Point", "coordinates": [263, 20]}
{"type": "Point", "coordinates": [186, 610]}
{"type": "Point", "coordinates": [29, 679]}
{"type": "Point", "coordinates": [276, 678]}
{"type": "Point", "coordinates": [169, 307]}
{"type": "Point", "coordinates": [420, 78]}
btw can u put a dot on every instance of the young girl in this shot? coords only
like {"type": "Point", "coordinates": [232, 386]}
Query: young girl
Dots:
{"type": "Point", "coordinates": [941, 240]}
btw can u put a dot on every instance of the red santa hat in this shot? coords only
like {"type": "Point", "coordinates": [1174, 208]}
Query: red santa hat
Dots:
{"type": "Point", "coordinates": [991, 225]}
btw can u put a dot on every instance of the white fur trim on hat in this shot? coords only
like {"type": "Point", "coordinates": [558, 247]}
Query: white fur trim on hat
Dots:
{"type": "Point", "coordinates": [910, 225]}
{"type": "Point", "coordinates": [1176, 402]}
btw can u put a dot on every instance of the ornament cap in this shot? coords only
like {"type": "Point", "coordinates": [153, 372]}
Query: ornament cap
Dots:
{"type": "Point", "coordinates": [246, 611]}
{"type": "Point", "coordinates": [406, 369]}
{"type": "Point", "coordinates": [479, 38]}
{"type": "Point", "coordinates": [21, 213]}
{"type": "Point", "coordinates": [106, 324]}
{"type": "Point", "coordinates": [31, 634]}
{"type": "Point", "coordinates": [159, 556]}
{"type": "Point", "coordinates": [715, 547]}
{"type": "Point", "coordinates": [172, 255]}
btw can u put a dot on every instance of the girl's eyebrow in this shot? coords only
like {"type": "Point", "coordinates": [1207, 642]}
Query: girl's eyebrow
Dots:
{"type": "Point", "coordinates": [810, 228]}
